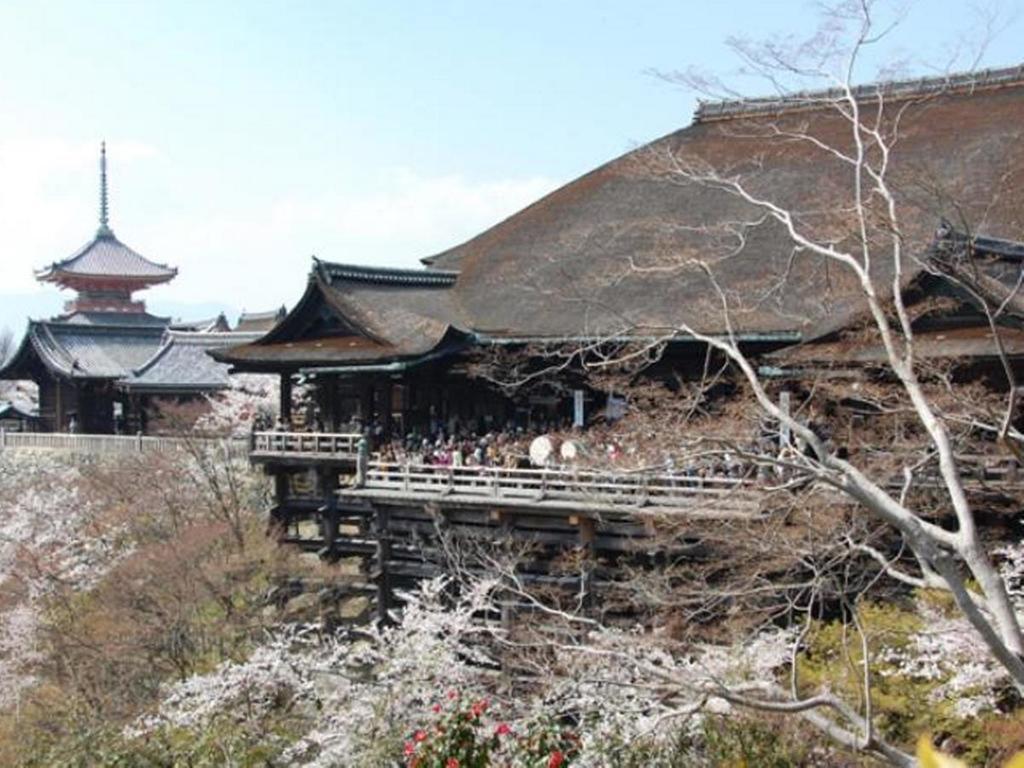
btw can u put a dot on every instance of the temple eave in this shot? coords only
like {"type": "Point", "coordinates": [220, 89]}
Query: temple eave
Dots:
{"type": "Point", "coordinates": [80, 281]}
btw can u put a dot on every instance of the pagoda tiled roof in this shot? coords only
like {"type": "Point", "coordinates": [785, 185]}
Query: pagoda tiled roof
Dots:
{"type": "Point", "coordinates": [106, 256]}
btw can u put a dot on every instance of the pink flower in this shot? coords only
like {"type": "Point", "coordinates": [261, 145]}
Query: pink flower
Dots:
{"type": "Point", "coordinates": [502, 730]}
{"type": "Point", "coordinates": [420, 736]}
{"type": "Point", "coordinates": [453, 694]}
{"type": "Point", "coordinates": [556, 759]}
{"type": "Point", "coordinates": [452, 763]}
{"type": "Point", "coordinates": [409, 748]}
{"type": "Point", "coordinates": [436, 708]}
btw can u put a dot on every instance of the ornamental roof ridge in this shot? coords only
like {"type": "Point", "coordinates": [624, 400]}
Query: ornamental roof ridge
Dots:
{"type": "Point", "coordinates": [385, 275]}
{"type": "Point", "coordinates": [211, 338]}
{"type": "Point", "coordinates": [727, 109]}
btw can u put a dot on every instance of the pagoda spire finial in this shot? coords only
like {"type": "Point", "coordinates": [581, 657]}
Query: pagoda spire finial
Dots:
{"type": "Point", "coordinates": [104, 229]}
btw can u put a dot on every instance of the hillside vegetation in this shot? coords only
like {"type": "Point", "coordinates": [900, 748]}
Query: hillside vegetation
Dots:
{"type": "Point", "coordinates": [148, 620]}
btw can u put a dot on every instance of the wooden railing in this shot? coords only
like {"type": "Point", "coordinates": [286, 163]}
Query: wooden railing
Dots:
{"type": "Point", "coordinates": [109, 444]}
{"type": "Point", "coordinates": [315, 444]}
{"type": "Point", "coordinates": [603, 488]}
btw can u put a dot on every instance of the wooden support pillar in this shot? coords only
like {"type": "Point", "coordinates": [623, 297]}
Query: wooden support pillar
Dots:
{"type": "Point", "coordinates": [285, 406]}
{"type": "Point", "coordinates": [333, 419]}
{"type": "Point", "coordinates": [588, 536]}
{"type": "Point", "coordinates": [328, 482]}
{"type": "Point", "coordinates": [386, 395]}
{"type": "Point", "coordinates": [362, 462]}
{"type": "Point", "coordinates": [58, 409]}
{"type": "Point", "coordinates": [279, 521]}
{"type": "Point", "coordinates": [366, 404]}
{"type": "Point", "coordinates": [503, 521]}
{"type": "Point", "coordinates": [280, 487]}
{"type": "Point", "coordinates": [383, 524]}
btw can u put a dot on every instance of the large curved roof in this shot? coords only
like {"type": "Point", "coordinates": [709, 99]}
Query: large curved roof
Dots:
{"type": "Point", "coordinates": [626, 250]}
{"type": "Point", "coordinates": [614, 249]}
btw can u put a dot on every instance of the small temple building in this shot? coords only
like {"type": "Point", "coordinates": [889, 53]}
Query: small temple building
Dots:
{"type": "Point", "coordinates": [261, 322]}
{"type": "Point", "coordinates": [102, 364]}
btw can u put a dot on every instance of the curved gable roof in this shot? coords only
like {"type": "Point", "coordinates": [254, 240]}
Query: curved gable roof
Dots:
{"type": "Point", "coordinates": [357, 314]}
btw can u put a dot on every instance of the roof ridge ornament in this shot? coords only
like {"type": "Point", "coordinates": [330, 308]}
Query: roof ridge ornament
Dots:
{"type": "Point", "coordinates": [889, 90]}
{"type": "Point", "coordinates": [104, 228]}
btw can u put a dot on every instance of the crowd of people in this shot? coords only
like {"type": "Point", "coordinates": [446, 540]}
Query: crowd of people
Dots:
{"type": "Point", "coordinates": [609, 444]}
{"type": "Point", "coordinates": [503, 449]}
{"type": "Point", "coordinates": [458, 445]}
{"type": "Point", "coordinates": [598, 446]}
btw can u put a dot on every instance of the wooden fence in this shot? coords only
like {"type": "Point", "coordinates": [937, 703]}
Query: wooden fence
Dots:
{"type": "Point", "coordinates": [305, 444]}
{"type": "Point", "coordinates": [553, 487]}
{"type": "Point", "coordinates": [111, 444]}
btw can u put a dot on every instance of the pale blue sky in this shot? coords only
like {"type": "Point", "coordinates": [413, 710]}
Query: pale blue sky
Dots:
{"type": "Point", "coordinates": [246, 136]}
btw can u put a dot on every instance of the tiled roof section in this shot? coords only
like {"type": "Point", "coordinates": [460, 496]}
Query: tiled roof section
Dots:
{"type": "Point", "coordinates": [410, 309]}
{"type": "Point", "coordinates": [106, 256]}
{"type": "Point", "coordinates": [217, 324]}
{"type": "Point", "coordinates": [92, 351]}
{"type": "Point", "coordinates": [260, 321]}
{"type": "Point", "coordinates": [949, 236]}
{"type": "Point", "coordinates": [892, 90]}
{"type": "Point", "coordinates": [182, 363]}
{"type": "Point", "coordinates": [115, 318]}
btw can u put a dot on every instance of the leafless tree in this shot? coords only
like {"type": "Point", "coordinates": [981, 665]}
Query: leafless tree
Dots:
{"type": "Point", "coordinates": [869, 240]}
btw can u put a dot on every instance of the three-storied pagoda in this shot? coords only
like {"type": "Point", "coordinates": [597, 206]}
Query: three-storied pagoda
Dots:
{"type": "Point", "coordinates": [102, 336]}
